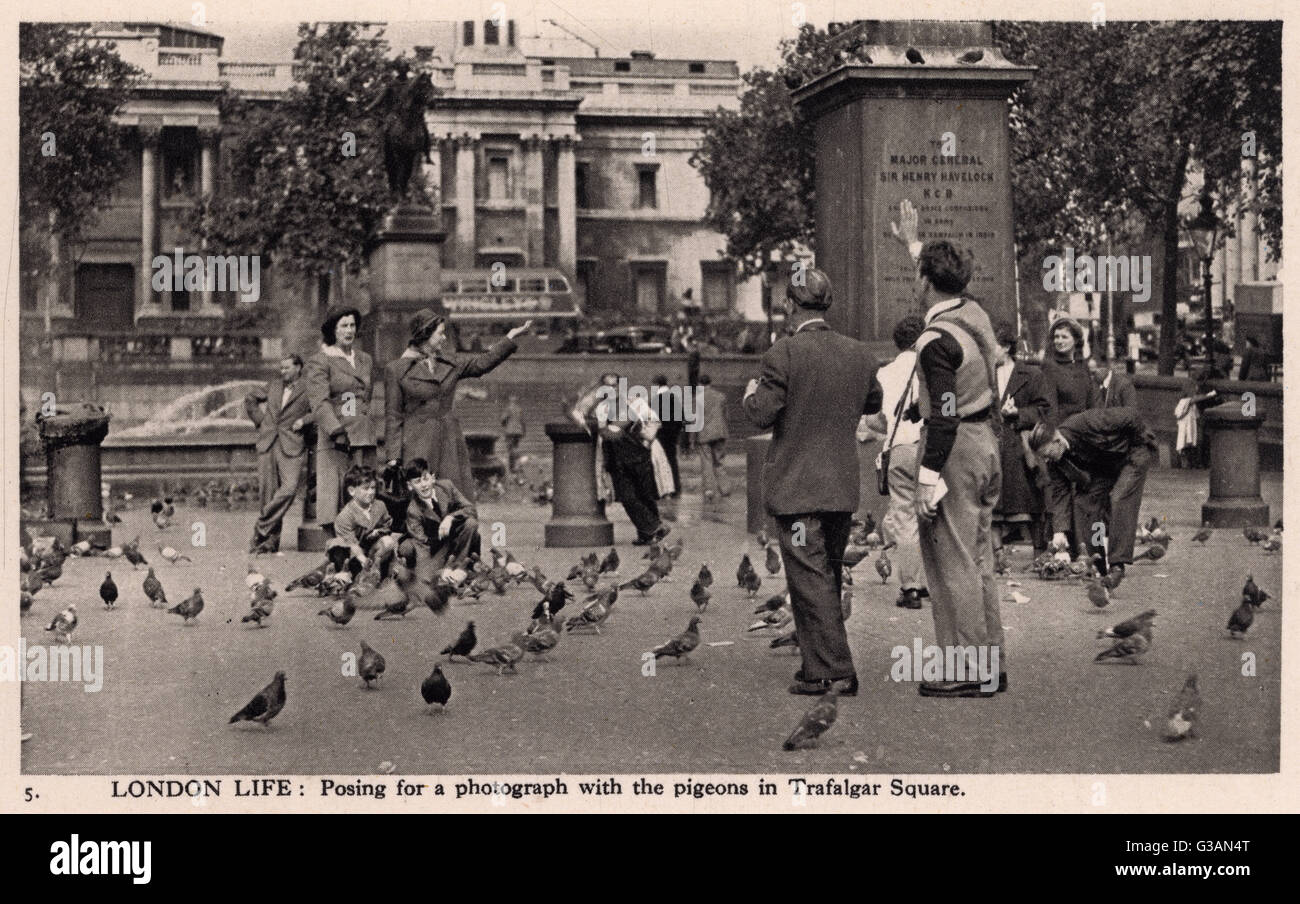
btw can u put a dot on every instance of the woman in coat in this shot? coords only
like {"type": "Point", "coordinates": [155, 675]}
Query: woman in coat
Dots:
{"type": "Point", "coordinates": [339, 382]}
{"type": "Point", "coordinates": [419, 391]}
{"type": "Point", "coordinates": [1067, 384]}
{"type": "Point", "coordinates": [1020, 505]}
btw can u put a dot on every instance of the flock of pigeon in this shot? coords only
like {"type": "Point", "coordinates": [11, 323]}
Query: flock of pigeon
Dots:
{"type": "Point", "coordinates": [396, 587]}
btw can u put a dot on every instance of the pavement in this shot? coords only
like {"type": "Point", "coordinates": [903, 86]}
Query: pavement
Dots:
{"type": "Point", "coordinates": [169, 690]}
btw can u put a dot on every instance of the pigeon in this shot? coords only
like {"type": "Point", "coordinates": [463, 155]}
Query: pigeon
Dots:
{"type": "Point", "coordinates": [681, 645]}
{"type": "Point", "coordinates": [743, 569]}
{"type": "Point", "coordinates": [462, 645]}
{"type": "Point", "coordinates": [786, 640]}
{"type": "Point", "coordinates": [1161, 536]}
{"type": "Point", "coordinates": [64, 623]}
{"type": "Point", "coordinates": [971, 57]}
{"type": "Point", "coordinates": [342, 611]}
{"type": "Point", "coordinates": [773, 561]}
{"type": "Point", "coordinates": [1183, 715]}
{"type": "Point", "coordinates": [1127, 649]}
{"type": "Point", "coordinates": [254, 577]}
{"type": "Point", "coordinates": [436, 689]}
{"type": "Point", "coordinates": [171, 555]}
{"type": "Point", "coordinates": [554, 598]}
{"type": "Point", "coordinates": [25, 601]}
{"type": "Point", "coordinates": [700, 596]}
{"type": "Point", "coordinates": [370, 665]}
{"type": "Point", "coordinates": [132, 552]}
{"type": "Point", "coordinates": [265, 706]}
{"type": "Point", "coordinates": [1202, 535]}
{"type": "Point", "coordinates": [1129, 627]}
{"type": "Point", "coordinates": [609, 565]}
{"type": "Point", "coordinates": [1252, 592]}
{"type": "Point", "coordinates": [772, 603]}
{"type": "Point", "coordinates": [161, 521]}
{"type": "Point", "coordinates": [436, 596]}
{"type": "Point", "coordinates": [503, 657]}
{"type": "Point", "coordinates": [540, 641]}
{"type": "Point", "coordinates": [1242, 618]}
{"type": "Point", "coordinates": [706, 577]}
{"type": "Point", "coordinates": [1271, 545]}
{"type": "Point", "coordinates": [777, 620]}
{"type": "Point", "coordinates": [814, 723]}
{"type": "Point", "coordinates": [662, 566]}
{"type": "Point", "coordinates": [643, 581]}
{"type": "Point", "coordinates": [153, 589]}
{"type": "Point", "coordinates": [1154, 552]}
{"type": "Point", "coordinates": [914, 57]}
{"type": "Point", "coordinates": [884, 567]}
{"type": "Point", "coordinates": [763, 540]}
{"type": "Point", "coordinates": [108, 591]}
{"type": "Point", "coordinates": [853, 554]}
{"type": "Point", "coordinates": [336, 559]}
{"type": "Point", "coordinates": [1098, 595]}
{"type": "Point", "coordinates": [261, 609]}
{"type": "Point", "coordinates": [1153, 524]}
{"type": "Point", "coordinates": [190, 607]}
{"type": "Point", "coordinates": [1113, 579]}
{"type": "Point", "coordinates": [593, 614]}
{"type": "Point", "coordinates": [169, 508]}
{"type": "Point", "coordinates": [1254, 534]}
{"type": "Point", "coordinates": [752, 582]}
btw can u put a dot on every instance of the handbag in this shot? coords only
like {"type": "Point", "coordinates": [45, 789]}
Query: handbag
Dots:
{"type": "Point", "coordinates": [882, 460]}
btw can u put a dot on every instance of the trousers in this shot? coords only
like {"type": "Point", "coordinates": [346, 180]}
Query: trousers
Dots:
{"type": "Point", "coordinates": [712, 456]}
{"type": "Point", "coordinates": [814, 570]}
{"type": "Point", "coordinates": [957, 544]}
{"type": "Point", "coordinates": [899, 524]}
{"type": "Point", "coordinates": [452, 551]}
{"type": "Point", "coordinates": [634, 486]}
{"type": "Point", "coordinates": [278, 476]}
{"type": "Point", "coordinates": [1115, 500]}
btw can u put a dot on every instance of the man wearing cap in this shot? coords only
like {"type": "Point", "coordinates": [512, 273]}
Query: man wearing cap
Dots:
{"type": "Point", "coordinates": [1104, 454]}
{"type": "Point", "coordinates": [815, 386]}
{"type": "Point", "coordinates": [956, 362]}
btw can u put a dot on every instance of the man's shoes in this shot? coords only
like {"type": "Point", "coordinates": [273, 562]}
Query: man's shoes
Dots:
{"type": "Point", "coordinates": [658, 536]}
{"type": "Point", "coordinates": [643, 541]}
{"type": "Point", "coordinates": [845, 687]}
{"type": "Point", "coordinates": [924, 593]}
{"type": "Point", "coordinates": [952, 689]}
{"type": "Point", "coordinates": [909, 599]}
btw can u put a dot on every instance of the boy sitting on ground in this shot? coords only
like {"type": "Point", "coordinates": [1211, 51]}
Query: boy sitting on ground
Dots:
{"type": "Point", "coordinates": [439, 519]}
{"type": "Point", "coordinates": [364, 524]}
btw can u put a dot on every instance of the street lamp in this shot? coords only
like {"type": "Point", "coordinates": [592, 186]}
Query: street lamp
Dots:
{"type": "Point", "coordinates": [1204, 232]}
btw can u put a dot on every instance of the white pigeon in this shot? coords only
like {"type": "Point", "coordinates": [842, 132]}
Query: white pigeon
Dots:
{"type": "Point", "coordinates": [64, 623]}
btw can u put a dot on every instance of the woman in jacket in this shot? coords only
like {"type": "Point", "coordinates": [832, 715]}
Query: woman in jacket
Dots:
{"type": "Point", "coordinates": [1067, 384]}
{"type": "Point", "coordinates": [339, 382]}
{"type": "Point", "coordinates": [1020, 396]}
{"type": "Point", "coordinates": [419, 392]}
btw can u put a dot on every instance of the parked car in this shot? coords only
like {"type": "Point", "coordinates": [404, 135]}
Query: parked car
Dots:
{"type": "Point", "coordinates": [649, 339]}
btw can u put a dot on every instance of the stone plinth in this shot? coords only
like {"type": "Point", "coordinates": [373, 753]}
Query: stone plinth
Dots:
{"type": "Point", "coordinates": [577, 516]}
{"type": "Point", "coordinates": [756, 516]}
{"type": "Point", "coordinates": [925, 120]}
{"type": "Point", "coordinates": [1234, 468]}
{"type": "Point", "coordinates": [405, 275]}
{"type": "Point", "coordinates": [72, 438]}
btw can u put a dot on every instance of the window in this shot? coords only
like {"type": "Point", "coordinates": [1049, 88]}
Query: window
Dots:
{"type": "Point", "coordinates": [557, 284]}
{"type": "Point", "coordinates": [622, 66]}
{"type": "Point", "coordinates": [718, 281]}
{"type": "Point", "coordinates": [498, 178]}
{"type": "Point", "coordinates": [491, 32]}
{"type": "Point", "coordinates": [580, 185]}
{"type": "Point", "coordinates": [510, 33]}
{"type": "Point", "coordinates": [532, 284]}
{"type": "Point", "coordinates": [696, 68]}
{"type": "Point", "coordinates": [468, 39]}
{"type": "Point", "coordinates": [647, 197]}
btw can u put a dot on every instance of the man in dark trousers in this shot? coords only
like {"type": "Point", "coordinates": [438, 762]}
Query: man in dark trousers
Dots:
{"type": "Point", "coordinates": [281, 412]}
{"type": "Point", "coordinates": [1104, 454]}
{"type": "Point", "coordinates": [815, 386]}
{"type": "Point", "coordinates": [958, 400]}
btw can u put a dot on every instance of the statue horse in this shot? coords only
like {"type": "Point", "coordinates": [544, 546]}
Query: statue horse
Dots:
{"type": "Point", "coordinates": [405, 134]}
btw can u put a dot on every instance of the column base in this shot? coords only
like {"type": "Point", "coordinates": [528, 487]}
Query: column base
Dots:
{"type": "Point", "coordinates": [62, 529]}
{"type": "Point", "coordinates": [579, 530]}
{"type": "Point", "coordinates": [314, 537]}
{"type": "Point", "coordinates": [97, 532]}
{"type": "Point", "coordinates": [1246, 512]}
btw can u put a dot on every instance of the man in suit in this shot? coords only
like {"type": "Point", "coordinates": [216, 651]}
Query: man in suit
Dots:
{"type": "Point", "coordinates": [1103, 454]}
{"type": "Point", "coordinates": [339, 381]}
{"type": "Point", "coordinates": [815, 386]}
{"type": "Point", "coordinates": [1114, 387]}
{"type": "Point", "coordinates": [281, 412]}
{"type": "Point", "coordinates": [711, 439]}
{"type": "Point", "coordinates": [958, 399]}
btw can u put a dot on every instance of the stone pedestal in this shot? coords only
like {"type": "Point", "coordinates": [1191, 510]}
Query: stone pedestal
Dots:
{"type": "Point", "coordinates": [577, 517]}
{"type": "Point", "coordinates": [756, 516]}
{"type": "Point", "coordinates": [72, 438]}
{"type": "Point", "coordinates": [1234, 469]}
{"type": "Point", "coordinates": [925, 120]}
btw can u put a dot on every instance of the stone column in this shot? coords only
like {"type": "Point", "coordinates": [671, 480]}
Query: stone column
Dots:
{"type": "Point", "coordinates": [466, 235]}
{"type": "Point", "coordinates": [207, 178]}
{"type": "Point", "coordinates": [534, 221]}
{"type": "Point", "coordinates": [577, 517]}
{"type": "Point", "coordinates": [72, 438]}
{"type": "Point", "coordinates": [150, 135]}
{"type": "Point", "coordinates": [567, 202]}
{"type": "Point", "coordinates": [433, 176]}
{"type": "Point", "coordinates": [1234, 468]}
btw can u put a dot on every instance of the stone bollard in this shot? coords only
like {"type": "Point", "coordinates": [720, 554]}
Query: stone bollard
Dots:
{"type": "Point", "coordinates": [1234, 468]}
{"type": "Point", "coordinates": [72, 438]}
{"type": "Point", "coordinates": [577, 516]}
{"type": "Point", "coordinates": [756, 516]}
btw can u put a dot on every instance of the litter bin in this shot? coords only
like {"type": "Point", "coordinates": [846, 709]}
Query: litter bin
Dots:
{"type": "Point", "coordinates": [72, 437]}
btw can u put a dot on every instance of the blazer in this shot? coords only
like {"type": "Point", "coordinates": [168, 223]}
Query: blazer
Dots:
{"type": "Point", "coordinates": [276, 423]}
{"type": "Point", "coordinates": [712, 414]}
{"type": "Point", "coordinates": [328, 377]}
{"type": "Point", "coordinates": [1100, 439]}
{"type": "Point", "coordinates": [422, 523]}
{"type": "Point", "coordinates": [815, 386]}
{"type": "Point", "coordinates": [1119, 394]}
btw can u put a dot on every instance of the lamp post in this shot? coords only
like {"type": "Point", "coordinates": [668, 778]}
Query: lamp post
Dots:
{"type": "Point", "coordinates": [1204, 232]}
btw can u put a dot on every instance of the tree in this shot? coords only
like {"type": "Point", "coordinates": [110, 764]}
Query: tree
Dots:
{"type": "Point", "coordinates": [71, 155]}
{"type": "Point", "coordinates": [306, 171]}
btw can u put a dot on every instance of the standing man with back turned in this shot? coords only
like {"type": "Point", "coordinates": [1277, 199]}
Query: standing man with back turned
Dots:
{"type": "Point", "coordinates": [815, 386]}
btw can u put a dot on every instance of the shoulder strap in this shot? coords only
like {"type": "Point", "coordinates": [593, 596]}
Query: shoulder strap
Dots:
{"type": "Point", "coordinates": [902, 402]}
